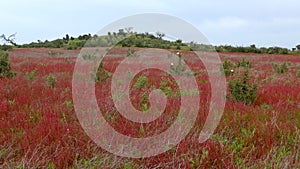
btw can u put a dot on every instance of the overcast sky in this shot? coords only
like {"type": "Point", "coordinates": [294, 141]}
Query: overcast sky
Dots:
{"type": "Point", "coordinates": [235, 22]}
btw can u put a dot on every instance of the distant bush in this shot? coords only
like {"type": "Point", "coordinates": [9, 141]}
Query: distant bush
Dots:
{"type": "Point", "coordinates": [146, 40]}
{"type": "Point", "coordinates": [89, 56]}
{"type": "Point", "coordinates": [252, 49]}
{"type": "Point", "coordinates": [5, 69]}
{"type": "Point", "coordinates": [75, 44]}
{"type": "Point", "coordinates": [54, 53]}
{"type": "Point", "coordinates": [6, 47]}
{"type": "Point", "coordinates": [242, 90]}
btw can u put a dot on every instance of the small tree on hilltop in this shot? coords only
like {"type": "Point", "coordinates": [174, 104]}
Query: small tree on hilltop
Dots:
{"type": "Point", "coordinates": [160, 35]}
{"type": "Point", "coordinates": [298, 47]}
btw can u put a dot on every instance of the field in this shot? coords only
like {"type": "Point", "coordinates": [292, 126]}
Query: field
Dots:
{"type": "Point", "coordinates": [39, 127]}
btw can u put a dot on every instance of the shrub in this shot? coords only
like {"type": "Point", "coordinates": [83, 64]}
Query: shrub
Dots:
{"type": "Point", "coordinates": [69, 104]}
{"type": "Point", "coordinates": [228, 66]}
{"type": "Point", "coordinates": [165, 87]}
{"type": "Point", "coordinates": [298, 73]}
{"type": "Point", "coordinates": [242, 90]}
{"type": "Point", "coordinates": [51, 80]}
{"type": "Point", "coordinates": [75, 44]}
{"type": "Point", "coordinates": [6, 47]}
{"type": "Point", "coordinates": [5, 69]}
{"type": "Point", "coordinates": [283, 68]}
{"type": "Point", "coordinates": [179, 68]}
{"type": "Point", "coordinates": [54, 53]}
{"type": "Point", "coordinates": [89, 56]}
{"type": "Point", "coordinates": [31, 75]}
{"type": "Point", "coordinates": [141, 82]}
{"type": "Point", "coordinates": [102, 75]}
{"type": "Point", "coordinates": [144, 102]}
{"type": "Point", "coordinates": [131, 53]}
{"type": "Point", "coordinates": [244, 63]}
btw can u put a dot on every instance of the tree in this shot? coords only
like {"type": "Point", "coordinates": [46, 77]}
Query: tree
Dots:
{"type": "Point", "coordinates": [298, 47]}
{"type": "Point", "coordinates": [121, 32]}
{"type": "Point", "coordinates": [253, 46]}
{"type": "Point", "coordinates": [160, 35]}
{"type": "Point", "coordinates": [128, 30]}
{"type": "Point", "coordinates": [67, 38]}
{"type": "Point", "coordinates": [10, 39]}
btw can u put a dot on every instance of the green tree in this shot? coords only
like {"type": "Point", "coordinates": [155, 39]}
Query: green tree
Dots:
{"type": "Point", "coordinates": [298, 47]}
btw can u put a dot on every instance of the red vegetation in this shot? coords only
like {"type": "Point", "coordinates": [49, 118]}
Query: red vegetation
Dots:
{"type": "Point", "coordinates": [39, 128]}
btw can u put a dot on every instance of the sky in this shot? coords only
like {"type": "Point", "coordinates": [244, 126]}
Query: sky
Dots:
{"type": "Point", "coordinates": [265, 23]}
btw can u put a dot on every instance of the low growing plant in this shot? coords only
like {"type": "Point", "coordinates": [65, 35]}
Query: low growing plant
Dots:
{"type": "Point", "coordinates": [178, 69]}
{"type": "Point", "coordinates": [283, 68]}
{"type": "Point", "coordinates": [141, 82]}
{"type": "Point", "coordinates": [244, 63]}
{"type": "Point", "coordinates": [51, 80]}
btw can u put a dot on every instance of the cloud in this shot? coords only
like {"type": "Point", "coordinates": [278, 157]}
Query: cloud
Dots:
{"type": "Point", "coordinates": [225, 23]}
{"type": "Point", "coordinates": [269, 22]}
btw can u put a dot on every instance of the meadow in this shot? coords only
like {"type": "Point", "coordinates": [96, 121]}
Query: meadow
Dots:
{"type": "Point", "coordinates": [39, 127]}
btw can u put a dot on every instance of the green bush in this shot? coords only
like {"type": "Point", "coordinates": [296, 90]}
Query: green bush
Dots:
{"type": "Point", "coordinates": [141, 82]}
{"type": "Point", "coordinates": [6, 47]}
{"type": "Point", "coordinates": [102, 75]}
{"type": "Point", "coordinates": [51, 80]}
{"type": "Point", "coordinates": [89, 56]}
{"type": "Point", "coordinates": [165, 87]}
{"type": "Point", "coordinates": [228, 66]}
{"type": "Point", "coordinates": [31, 75]}
{"type": "Point", "coordinates": [144, 102]}
{"type": "Point", "coordinates": [131, 53]}
{"type": "Point", "coordinates": [5, 69]}
{"type": "Point", "coordinates": [75, 44]}
{"type": "Point", "coordinates": [242, 90]}
{"type": "Point", "coordinates": [244, 63]}
{"type": "Point", "coordinates": [283, 68]}
{"type": "Point", "coordinates": [298, 73]}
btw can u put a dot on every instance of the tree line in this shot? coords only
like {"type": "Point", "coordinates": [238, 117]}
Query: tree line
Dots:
{"type": "Point", "coordinates": [127, 38]}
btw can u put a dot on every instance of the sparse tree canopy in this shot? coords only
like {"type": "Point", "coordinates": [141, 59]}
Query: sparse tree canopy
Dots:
{"type": "Point", "coordinates": [10, 39]}
{"type": "Point", "coordinates": [298, 47]}
{"type": "Point", "coordinates": [128, 30]}
{"type": "Point", "coordinates": [160, 35]}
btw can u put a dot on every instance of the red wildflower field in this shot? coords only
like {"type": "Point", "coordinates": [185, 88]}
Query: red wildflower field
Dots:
{"type": "Point", "coordinates": [39, 127]}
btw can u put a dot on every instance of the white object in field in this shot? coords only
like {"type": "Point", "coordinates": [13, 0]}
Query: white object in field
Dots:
{"type": "Point", "coordinates": [232, 70]}
{"type": "Point", "coordinates": [172, 64]}
{"type": "Point", "coordinates": [178, 53]}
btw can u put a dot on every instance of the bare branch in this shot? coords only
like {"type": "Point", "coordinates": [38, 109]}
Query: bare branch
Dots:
{"type": "Point", "coordinates": [10, 39]}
